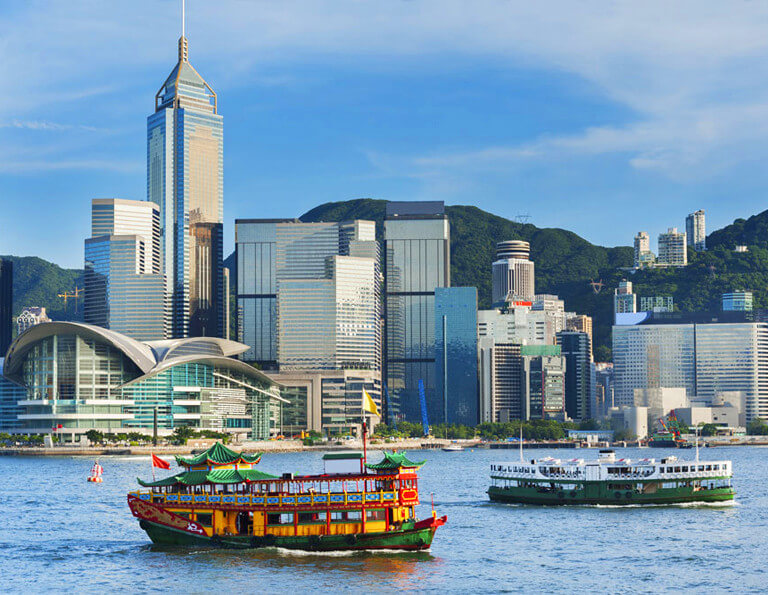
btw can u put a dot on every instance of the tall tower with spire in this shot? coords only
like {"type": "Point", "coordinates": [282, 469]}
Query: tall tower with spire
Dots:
{"type": "Point", "coordinates": [185, 178]}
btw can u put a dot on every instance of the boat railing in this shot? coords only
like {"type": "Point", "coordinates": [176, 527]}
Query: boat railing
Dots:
{"type": "Point", "coordinates": [407, 496]}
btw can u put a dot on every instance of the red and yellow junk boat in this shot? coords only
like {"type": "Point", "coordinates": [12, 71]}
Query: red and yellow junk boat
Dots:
{"type": "Point", "coordinates": [220, 499]}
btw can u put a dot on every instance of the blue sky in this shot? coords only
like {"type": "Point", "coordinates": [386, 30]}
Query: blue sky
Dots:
{"type": "Point", "coordinates": [600, 117]}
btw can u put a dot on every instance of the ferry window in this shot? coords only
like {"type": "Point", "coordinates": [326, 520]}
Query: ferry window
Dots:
{"type": "Point", "coordinates": [205, 518]}
{"type": "Point", "coordinates": [716, 467]}
{"type": "Point", "coordinates": [685, 469]}
{"type": "Point", "coordinates": [354, 515]}
{"type": "Point", "coordinates": [677, 469]}
{"type": "Point", "coordinates": [374, 515]}
{"type": "Point", "coordinates": [280, 519]}
{"type": "Point", "coordinates": [709, 467]}
{"type": "Point", "coordinates": [184, 514]}
{"type": "Point", "coordinates": [312, 517]}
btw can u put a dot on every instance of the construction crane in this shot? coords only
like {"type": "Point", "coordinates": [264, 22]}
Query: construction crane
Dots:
{"type": "Point", "coordinates": [71, 294]}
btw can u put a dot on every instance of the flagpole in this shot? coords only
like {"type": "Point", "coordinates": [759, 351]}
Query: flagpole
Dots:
{"type": "Point", "coordinates": [152, 463]}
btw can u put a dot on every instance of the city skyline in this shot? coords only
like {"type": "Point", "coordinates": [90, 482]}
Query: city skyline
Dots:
{"type": "Point", "coordinates": [489, 118]}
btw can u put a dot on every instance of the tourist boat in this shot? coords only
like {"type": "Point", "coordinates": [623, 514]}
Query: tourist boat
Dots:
{"type": "Point", "coordinates": [220, 499]}
{"type": "Point", "coordinates": [611, 481]}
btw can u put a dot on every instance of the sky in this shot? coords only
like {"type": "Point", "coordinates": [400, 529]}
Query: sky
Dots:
{"type": "Point", "coordinates": [604, 118]}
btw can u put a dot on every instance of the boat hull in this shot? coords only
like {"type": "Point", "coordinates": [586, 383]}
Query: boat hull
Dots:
{"type": "Point", "coordinates": [166, 528]}
{"type": "Point", "coordinates": [598, 494]}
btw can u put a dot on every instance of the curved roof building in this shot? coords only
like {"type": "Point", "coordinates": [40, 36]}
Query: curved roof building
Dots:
{"type": "Point", "coordinates": [79, 377]}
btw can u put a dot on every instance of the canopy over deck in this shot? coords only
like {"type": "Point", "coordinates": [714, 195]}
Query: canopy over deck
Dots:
{"type": "Point", "coordinates": [218, 454]}
{"type": "Point", "coordinates": [395, 460]}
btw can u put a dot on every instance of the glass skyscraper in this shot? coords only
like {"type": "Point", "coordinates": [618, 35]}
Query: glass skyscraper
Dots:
{"type": "Point", "coordinates": [124, 289]}
{"type": "Point", "coordinates": [456, 397]}
{"type": "Point", "coordinates": [417, 260]}
{"type": "Point", "coordinates": [185, 178]}
{"type": "Point", "coordinates": [6, 304]}
{"type": "Point", "coordinates": [576, 349]}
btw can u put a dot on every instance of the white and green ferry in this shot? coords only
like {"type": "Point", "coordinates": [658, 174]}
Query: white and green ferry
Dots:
{"type": "Point", "coordinates": [609, 480]}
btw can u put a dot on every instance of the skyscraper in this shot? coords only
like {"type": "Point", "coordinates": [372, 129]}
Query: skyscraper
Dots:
{"type": "Point", "coordinates": [513, 272]}
{"type": "Point", "coordinates": [418, 260]}
{"type": "Point", "coordinates": [695, 230]}
{"type": "Point", "coordinates": [673, 250]}
{"type": "Point", "coordinates": [6, 304]}
{"type": "Point", "coordinates": [124, 289]}
{"type": "Point", "coordinates": [185, 178]}
{"type": "Point", "coordinates": [576, 349]}
{"type": "Point", "coordinates": [456, 397]}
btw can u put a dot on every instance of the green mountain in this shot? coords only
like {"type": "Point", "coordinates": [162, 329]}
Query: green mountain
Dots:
{"type": "Point", "coordinates": [37, 282]}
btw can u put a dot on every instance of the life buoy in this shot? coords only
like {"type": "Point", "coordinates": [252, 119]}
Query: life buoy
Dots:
{"type": "Point", "coordinates": [617, 495]}
{"type": "Point", "coordinates": [628, 495]}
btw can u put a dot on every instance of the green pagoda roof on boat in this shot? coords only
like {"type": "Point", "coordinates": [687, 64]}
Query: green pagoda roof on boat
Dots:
{"type": "Point", "coordinates": [218, 454]}
{"type": "Point", "coordinates": [395, 460]}
{"type": "Point", "coordinates": [221, 476]}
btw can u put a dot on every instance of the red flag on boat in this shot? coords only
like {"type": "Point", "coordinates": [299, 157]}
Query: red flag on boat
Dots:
{"type": "Point", "coordinates": [160, 463]}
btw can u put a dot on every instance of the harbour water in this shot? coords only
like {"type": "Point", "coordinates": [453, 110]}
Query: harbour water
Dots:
{"type": "Point", "coordinates": [60, 533]}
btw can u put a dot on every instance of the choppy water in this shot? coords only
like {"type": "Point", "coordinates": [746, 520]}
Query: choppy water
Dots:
{"type": "Point", "coordinates": [59, 533]}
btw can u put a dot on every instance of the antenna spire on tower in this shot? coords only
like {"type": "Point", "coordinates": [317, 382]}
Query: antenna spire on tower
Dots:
{"type": "Point", "coordinates": [183, 45]}
{"type": "Point", "coordinates": [183, 15]}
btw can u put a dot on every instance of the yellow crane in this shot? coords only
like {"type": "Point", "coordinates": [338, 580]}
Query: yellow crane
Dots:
{"type": "Point", "coordinates": [71, 294]}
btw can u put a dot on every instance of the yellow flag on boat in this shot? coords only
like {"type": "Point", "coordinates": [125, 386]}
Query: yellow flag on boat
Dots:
{"type": "Point", "coordinates": [369, 404]}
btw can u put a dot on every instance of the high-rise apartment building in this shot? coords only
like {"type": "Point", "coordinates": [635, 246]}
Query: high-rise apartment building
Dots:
{"type": "Point", "coordinates": [673, 249]}
{"type": "Point", "coordinates": [737, 301]}
{"type": "Point", "coordinates": [513, 272]}
{"type": "Point", "coordinates": [643, 254]}
{"type": "Point", "coordinates": [500, 373]}
{"type": "Point", "coordinates": [124, 288]}
{"type": "Point", "coordinates": [185, 178]}
{"type": "Point", "coordinates": [456, 397]}
{"type": "Point", "coordinates": [6, 303]}
{"type": "Point", "coordinates": [695, 230]}
{"type": "Point", "coordinates": [708, 355]}
{"type": "Point", "coordinates": [624, 301]}
{"type": "Point", "coordinates": [576, 349]}
{"type": "Point", "coordinates": [417, 260]}
{"type": "Point", "coordinates": [581, 323]}
{"type": "Point", "coordinates": [542, 384]}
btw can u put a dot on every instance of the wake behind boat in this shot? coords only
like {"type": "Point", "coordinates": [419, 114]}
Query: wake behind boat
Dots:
{"type": "Point", "coordinates": [220, 499]}
{"type": "Point", "coordinates": [611, 481]}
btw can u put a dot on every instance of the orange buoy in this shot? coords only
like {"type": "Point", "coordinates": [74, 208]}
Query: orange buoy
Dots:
{"type": "Point", "coordinates": [96, 473]}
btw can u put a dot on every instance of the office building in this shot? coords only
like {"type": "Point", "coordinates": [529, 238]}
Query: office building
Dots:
{"type": "Point", "coordinates": [673, 249]}
{"type": "Point", "coordinates": [417, 261]}
{"type": "Point", "coordinates": [576, 350]}
{"type": "Point", "coordinates": [513, 272]}
{"type": "Point", "coordinates": [86, 377]}
{"type": "Point", "coordinates": [29, 317]}
{"type": "Point", "coordinates": [308, 306]}
{"type": "Point", "coordinates": [269, 252]}
{"type": "Point", "coordinates": [582, 324]}
{"type": "Point", "coordinates": [543, 382]}
{"type": "Point", "coordinates": [456, 395]}
{"type": "Point", "coordinates": [660, 401]}
{"type": "Point", "coordinates": [500, 373]}
{"type": "Point", "coordinates": [643, 255]}
{"type": "Point", "coordinates": [706, 354]}
{"type": "Point", "coordinates": [695, 231]}
{"type": "Point", "coordinates": [624, 301]}
{"type": "Point", "coordinates": [10, 396]}
{"type": "Point", "coordinates": [602, 387]}
{"type": "Point", "coordinates": [327, 401]}
{"type": "Point", "coordinates": [124, 288]}
{"type": "Point", "coordinates": [6, 303]}
{"type": "Point", "coordinates": [185, 178]}
{"type": "Point", "coordinates": [737, 301]}
{"type": "Point", "coordinates": [330, 323]}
